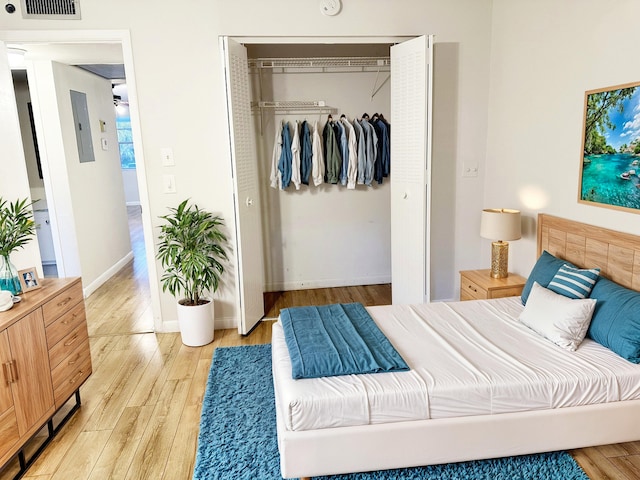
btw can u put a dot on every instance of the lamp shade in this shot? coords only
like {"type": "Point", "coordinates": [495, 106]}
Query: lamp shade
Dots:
{"type": "Point", "coordinates": [500, 224]}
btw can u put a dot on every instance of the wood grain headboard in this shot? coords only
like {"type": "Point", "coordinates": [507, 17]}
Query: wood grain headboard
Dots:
{"type": "Point", "coordinates": [617, 254]}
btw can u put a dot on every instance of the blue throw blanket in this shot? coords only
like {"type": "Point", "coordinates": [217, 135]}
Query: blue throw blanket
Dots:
{"type": "Point", "coordinates": [340, 339]}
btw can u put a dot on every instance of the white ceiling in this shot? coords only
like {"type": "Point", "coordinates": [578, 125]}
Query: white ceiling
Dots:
{"type": "Point", "coordinates": [104, 59]}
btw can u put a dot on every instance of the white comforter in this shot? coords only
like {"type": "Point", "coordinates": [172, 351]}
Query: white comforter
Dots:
{"type": "Point", "coordinates": [466, 358]}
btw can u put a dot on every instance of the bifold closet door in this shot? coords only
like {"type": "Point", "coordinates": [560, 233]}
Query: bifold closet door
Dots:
{"type": "Point", "coordinates": [411, 105]}
{"type": "Point", "coordinates": [249, 246]}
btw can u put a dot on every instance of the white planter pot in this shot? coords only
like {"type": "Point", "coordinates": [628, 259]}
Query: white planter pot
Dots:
{"type": "Point", "coordinates": [196, 324]}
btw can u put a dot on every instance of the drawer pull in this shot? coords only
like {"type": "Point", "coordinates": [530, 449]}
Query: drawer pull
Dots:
{"type": "Point", "coordinates": [471, 288]}
{"type": "Point", "coordinates": [71, 341]}
{"type": "Point", "coordinates": [73, 361]}
{"type": "Point", "coordinates": [76, 377]}
{"type": "Point", "coordinates": [68, 321]}
{"type": "Point", "coordinates": [8, 375]}
{"type": "Point", "coordinates": [64, 302]}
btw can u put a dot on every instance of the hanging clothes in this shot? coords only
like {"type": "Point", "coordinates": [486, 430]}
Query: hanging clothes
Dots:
{"type": "Point", "coordinates": [332, 157]}
{"type": "Point", "coordinates": [317, 156]}
{"type": "Point", "coordinates": [295, 156]}
{"type": "Point", "coordinates": [306, 153]}
{"type": "Point", "coordinates": [276, 177]}
{"type": "Point", "coordinates": [387, 169]}
{"type": "Point", "coordinates": [284, 165]}
{"type": "Point", "coordinates": [352, 147]}
{"type": "Point", "coordinates": [382, 150]}
{"type": "Point", "coordinates": [362, 150]}
{"type": "Point", "coordinates": [371, 150]}
{"type": "Point", "coordinates": [344, 152]}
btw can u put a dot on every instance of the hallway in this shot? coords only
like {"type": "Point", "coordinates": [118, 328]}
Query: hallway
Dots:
{"type": "Point", "coordinates": [123, 304]}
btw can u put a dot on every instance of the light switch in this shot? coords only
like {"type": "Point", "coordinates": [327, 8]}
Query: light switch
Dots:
{"type": "Point", "coordinates": [169, 183]}
{"type": "Point", "coordinates": [103, 143]}
{"type": "Point", "coordinates": [167, 157]}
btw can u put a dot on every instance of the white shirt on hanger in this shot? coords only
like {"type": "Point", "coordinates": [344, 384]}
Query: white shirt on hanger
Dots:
{"type": "Point", "coordinates": [317, 162]}
{"type": "Point", "coordinates": [352, 144]}
{"type": "Point", "coordinates": [276, 176]}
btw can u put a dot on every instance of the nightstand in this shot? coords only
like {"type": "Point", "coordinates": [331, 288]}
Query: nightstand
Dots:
{"type": "Point", "coordinates": [479, 285]}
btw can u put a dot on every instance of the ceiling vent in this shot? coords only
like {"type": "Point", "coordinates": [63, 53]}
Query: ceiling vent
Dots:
{"type": "Point", "coordinates": [51, 9]}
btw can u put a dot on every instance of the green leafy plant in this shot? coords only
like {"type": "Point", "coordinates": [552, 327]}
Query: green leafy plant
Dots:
{"type": "Point", "coordinates": [16, 225]}
{"type": "Point", "coordinates": [190, 249]}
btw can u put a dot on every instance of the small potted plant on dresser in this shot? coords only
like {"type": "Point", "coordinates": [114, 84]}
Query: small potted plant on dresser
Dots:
{"type": "Point", "coordinates": [191, 250]}
{"type": "Point", "coordinates": [16, 229]}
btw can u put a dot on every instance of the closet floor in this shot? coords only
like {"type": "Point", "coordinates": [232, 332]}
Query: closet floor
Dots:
{"type": "Point", "coordinates": [368, 295]}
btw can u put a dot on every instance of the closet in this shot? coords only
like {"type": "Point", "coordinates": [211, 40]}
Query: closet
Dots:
{"type": "Point", "coordinates": [328, 235]}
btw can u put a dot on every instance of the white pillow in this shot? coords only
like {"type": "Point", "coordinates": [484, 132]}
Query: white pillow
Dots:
{"type": "Point", "coordinates": [562, 320]}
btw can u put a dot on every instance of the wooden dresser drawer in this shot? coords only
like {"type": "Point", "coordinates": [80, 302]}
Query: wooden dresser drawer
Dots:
{"type": "Point", "coordinates": [62, 302]}
{"type": "Point", "coordinates": [60, 328]}
{"type": "Point", "coordinates": [470, 290]}
{"type": "Point", "coordinates": [68, 344]}
{"type": "Point", "coordinates": [71, 373]}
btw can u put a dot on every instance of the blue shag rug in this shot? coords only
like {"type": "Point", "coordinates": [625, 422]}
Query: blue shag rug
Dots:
{"type": "Point", "coordinates": [237, 438]}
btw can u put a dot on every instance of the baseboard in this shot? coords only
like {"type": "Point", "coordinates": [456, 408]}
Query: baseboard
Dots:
{"type": "Point", "coordinates": [328, 283]}
{"type": "Point", "coordinates": [98, 282]}
{"type": "Point", "coordinates": [220, 323]}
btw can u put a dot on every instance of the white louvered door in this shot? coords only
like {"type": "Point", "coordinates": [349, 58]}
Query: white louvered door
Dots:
{"type": "Point", "coordinates": [411, 106]}
{"type": "Point", "coordinates": [249, 246]}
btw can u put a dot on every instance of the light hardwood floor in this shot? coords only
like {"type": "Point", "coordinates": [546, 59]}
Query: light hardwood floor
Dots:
{"type": "Point", "coordinates": [141, 407]}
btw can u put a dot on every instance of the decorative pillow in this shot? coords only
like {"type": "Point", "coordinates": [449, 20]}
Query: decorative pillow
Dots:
{"type": "Point", "coordinates": [574, 282]}
{"type": "Point", "coordinates": [616, 319]}
{"type": "Point", "coordinates": [557, 318]}
{"type": "Point", "coordinates": [543, 271]}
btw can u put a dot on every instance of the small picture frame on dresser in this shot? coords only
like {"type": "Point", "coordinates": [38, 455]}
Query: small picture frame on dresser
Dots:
{"type": "Point", "coordinates": [29, 279]}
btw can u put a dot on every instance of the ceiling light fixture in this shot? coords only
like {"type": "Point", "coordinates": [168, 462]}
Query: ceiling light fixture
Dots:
{"type": "Point", "coordinates": [16, 58]}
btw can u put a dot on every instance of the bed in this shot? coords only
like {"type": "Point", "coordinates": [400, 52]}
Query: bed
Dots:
{"type": "Point", "coordinates": [451, 424]}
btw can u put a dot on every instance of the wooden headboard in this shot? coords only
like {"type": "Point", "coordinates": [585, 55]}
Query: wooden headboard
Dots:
{"type": "Point", "coordinates": [617, 254]}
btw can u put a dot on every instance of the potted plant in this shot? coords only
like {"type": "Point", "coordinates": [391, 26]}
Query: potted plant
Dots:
{"type": "Point", "coordinates": [16, 229]}
{"type": "Point", "coordinates": [191, 250]}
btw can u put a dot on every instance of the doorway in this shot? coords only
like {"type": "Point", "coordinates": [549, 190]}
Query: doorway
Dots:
{"type": "Point", "coordinates": [138, 217]}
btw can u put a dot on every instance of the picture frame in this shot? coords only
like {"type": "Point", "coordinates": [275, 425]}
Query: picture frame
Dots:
{"type": "Point", "coordinates": [29, 279]}
{"type": "Point", "coordinates": [610, 156]}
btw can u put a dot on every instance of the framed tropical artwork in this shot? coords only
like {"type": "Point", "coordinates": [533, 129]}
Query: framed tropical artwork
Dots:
{"type": "Point", "coordinates": [610, 160]}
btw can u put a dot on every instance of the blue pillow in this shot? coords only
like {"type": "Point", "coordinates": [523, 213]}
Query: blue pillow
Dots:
{"type": "Point", "coordinates": [574, 282]}
{"type": "Point", "coordinates": [616, 319]}
{"type": "Point", "coordinates": [543, 271]}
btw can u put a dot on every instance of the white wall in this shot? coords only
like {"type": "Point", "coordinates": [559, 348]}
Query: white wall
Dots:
{"type": "Point", "coordinates": [545, 55]}
{"type": "Point", "coordinates": [14, 181]}
{"type": "Point", "coordinates": [181, 102]}
{"type": "Point", "coordinates": [130, 185]}
{"type": "Point", "coordinates": [324, 236]}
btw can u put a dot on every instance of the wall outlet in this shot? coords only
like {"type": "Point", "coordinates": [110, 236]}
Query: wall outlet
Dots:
{"type": "Point", "coordinates": [469, 170]}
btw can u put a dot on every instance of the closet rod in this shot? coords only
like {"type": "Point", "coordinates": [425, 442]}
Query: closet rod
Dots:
{"type": "Point", "coordinates": [315, 62]}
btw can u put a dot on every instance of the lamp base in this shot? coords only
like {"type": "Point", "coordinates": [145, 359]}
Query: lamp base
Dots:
{"type": "Point", "coordinates": [499, 259]}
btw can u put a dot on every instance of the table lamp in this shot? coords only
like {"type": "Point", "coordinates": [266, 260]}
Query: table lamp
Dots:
{"type": "Point", "coordinates": [499, 225]}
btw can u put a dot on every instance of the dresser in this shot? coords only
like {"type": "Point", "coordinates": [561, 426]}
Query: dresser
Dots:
{"type": "Point", "coordinates": [45, 357]}
{"type": "Point", "coordinates": [480, 285]}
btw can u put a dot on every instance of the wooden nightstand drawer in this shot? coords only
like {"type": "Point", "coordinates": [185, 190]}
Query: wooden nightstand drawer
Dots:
{"type": "Point", "coordinates": [62, 302]}
{"type": "Point", "coordinates": [59, 329]}
{"type": "Point", "coordinates": [479, 285]}
{"type": "Point", "coordinates": [471, 290]}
